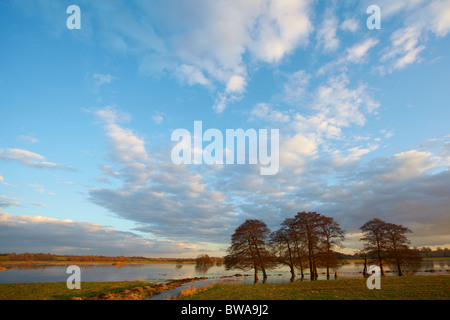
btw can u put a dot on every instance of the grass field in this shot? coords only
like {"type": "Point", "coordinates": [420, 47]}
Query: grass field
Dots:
{"type": "Point", "coordinates": [59, 291]}
{"type": "Point", "coordinates": [117, 290]}
{"type": "Point", "coordinates": [392, 288]}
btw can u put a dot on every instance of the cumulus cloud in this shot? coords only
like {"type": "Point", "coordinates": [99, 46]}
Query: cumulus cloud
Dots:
{"type": "Point", "coordinates": [349, 25]}
{"type": "Point", "coordinates": [405, 48]}
{"type": "Point", "coordinates": [356, 54]}
{"type": "Point", "coordinates": [171, 200]}
{"type": "Point", "coordinates": [126, 146]}
{"type": "Point", "coordinates": [200, 50]}
{"type": "Point", "coordinates": [266, 112]}
{"type": "Point", "coordinates": [296, 86]}
{"type": "Point", "coordinates": [409, 164]}
{"type": "Point", "coordinates": [326, 34]}
{"type": "Point", "coordinates": [423, 18]}
{"type": "Point", "coordinates": [23, 233]}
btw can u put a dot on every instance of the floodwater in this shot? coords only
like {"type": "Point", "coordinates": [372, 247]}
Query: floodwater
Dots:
{"type": "Point", "coordinates": [166, 272]}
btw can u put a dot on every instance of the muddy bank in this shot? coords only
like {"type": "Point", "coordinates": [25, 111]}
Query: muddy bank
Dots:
{"type": "Point", "coordinates": [141, 292]}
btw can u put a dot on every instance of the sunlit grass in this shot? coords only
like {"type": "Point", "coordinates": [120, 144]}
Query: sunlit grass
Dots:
{"type": "Point", "coordinates": [392, 288]}
{"type": "Point", "coordinates": [59, 290]}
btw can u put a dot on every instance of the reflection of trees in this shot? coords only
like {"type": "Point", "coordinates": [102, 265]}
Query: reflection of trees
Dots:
{"type": "Point", "coordinates": [410, 267]}
{"type": "Point", "coordinates": [202, 268]}
{"type": "Point", "coordinates": [179, 265]}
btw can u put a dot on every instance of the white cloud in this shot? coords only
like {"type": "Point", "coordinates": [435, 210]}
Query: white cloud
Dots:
{"type": "Point", "coordinates": [29, 138]}
{"type": "Point", "coordinates": [358, 52]}
{"type": "Point", "coordinates": [282, 26]}
{"type": "Point", "coordinates": [404, 50]}
{"type": "Point", "coordinates": [8, 202]}
{"type": "Point", "coordinates": [236, 84]}
{"type": "Point", "coordinates": [202, 51]}
{"type": "Point", "coordinates": [408, 165]}
{"type": "Point", "coordinates": [18, 233]}
{"type": "Point", "coordinates": [125, 145]}
{"type": "Point", "coordinates": [326, 34]}
{"type": "Point", "coordinates": [29, 158]}
{"type": "Point", "coordinates": [101, 79]}
{"type": "Point", "coordinates": [295, 88]}
{"type": "Point", "coordinates": [351, 155]}
{"type": "Point", "coordinates": [341, 105]}
{"type": "Point", "coordinates": [158, 118]}
{"type": "Point", "coordinates": [192, 75]}
{"type": "Point", "coordinates": [439, 11]}
{"type": "Point", "coordinates": [294, 150]}
{"type": "Point", "coordinates": [349, 25]}
{"type": "Point", "coordinates": [422, 19]}
{"type": "Point", "coordinates": [266, 112]}
{"type": "Point", "coordinates": [39, 204]}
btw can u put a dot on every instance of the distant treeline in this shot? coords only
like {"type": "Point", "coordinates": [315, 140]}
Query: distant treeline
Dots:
{"type": "Point", "coordinates": [204, 259]}
{"type": "Point", "coordinates": [93, 258]}
{"type": "Point", "coordinates": [424, 252]}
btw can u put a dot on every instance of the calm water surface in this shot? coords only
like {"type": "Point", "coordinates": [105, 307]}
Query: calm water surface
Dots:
{"type": "Point", "coordinates": [164, 272]}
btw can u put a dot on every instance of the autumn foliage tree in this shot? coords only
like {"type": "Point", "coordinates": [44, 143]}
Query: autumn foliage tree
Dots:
{"type": "Point", "coordinates": [248, 249]}
{"type": "Point", "coordinates": [203, 259]}
{"type": "Point", "coordinates": [398, 250]}
{"type": "Point", "coordinates": [388, 243]}
{"type": "Point", "coordinates": [307, 240]}
{"type": "Point", "coordinates": [375, 241]}
{"type": "Point", "coordinates": [283, 249]}
{"type": "Point", "coordinates": [332, 235]}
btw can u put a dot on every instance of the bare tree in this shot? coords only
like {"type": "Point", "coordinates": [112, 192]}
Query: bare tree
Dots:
{"type": "Point", "coordinates": [375, 240]}
{"type": "Point", "coordinates": [283, 249]}
{"type": "Point", "coordinates": [332, 237]}
{"type": "Point", "coordinates": [203, 259]}
{"type": "Point", "coordinates": [308, 226]}
{"type": "Point", "coordinates": [248, 248]}
{"type": "Point", "coordinates": [298, 243]}
{"type": "Point", "coordinates": [398, 246]}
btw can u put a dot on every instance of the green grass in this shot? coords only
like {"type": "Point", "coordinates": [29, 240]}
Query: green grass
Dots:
{"type": "Point", "coordinates": [392, 288]}
{"type": "Point", "coordinates": [59, 291]}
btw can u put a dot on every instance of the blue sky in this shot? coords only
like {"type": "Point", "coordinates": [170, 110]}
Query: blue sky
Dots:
{"type": "Point", "coordinates": [86, 120]}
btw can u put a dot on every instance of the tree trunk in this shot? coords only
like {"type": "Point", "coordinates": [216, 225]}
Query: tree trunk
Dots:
{"type": "Point", "coordinates": [291, 263]}
{"type": "Point", "coordinates": [381, 265]}
{"type": "Point", "coordinates": [399, 269]}
{"type": "Point", "coordinates": [380, 261]}
{"type": "Point", "coordinates": [311, 265]}
{"type": "Point", "coordinates": [292, 273]}
{"type": "Point", "coordinates": [264, 273]}
{"type": "Point", "coordinates": [365, 267]}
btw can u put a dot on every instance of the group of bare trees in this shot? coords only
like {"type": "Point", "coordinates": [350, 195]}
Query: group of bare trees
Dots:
{"type": "Point", "coordinates": [387, 243]}
{"type": "Point", "coordinates": [309, 241]}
